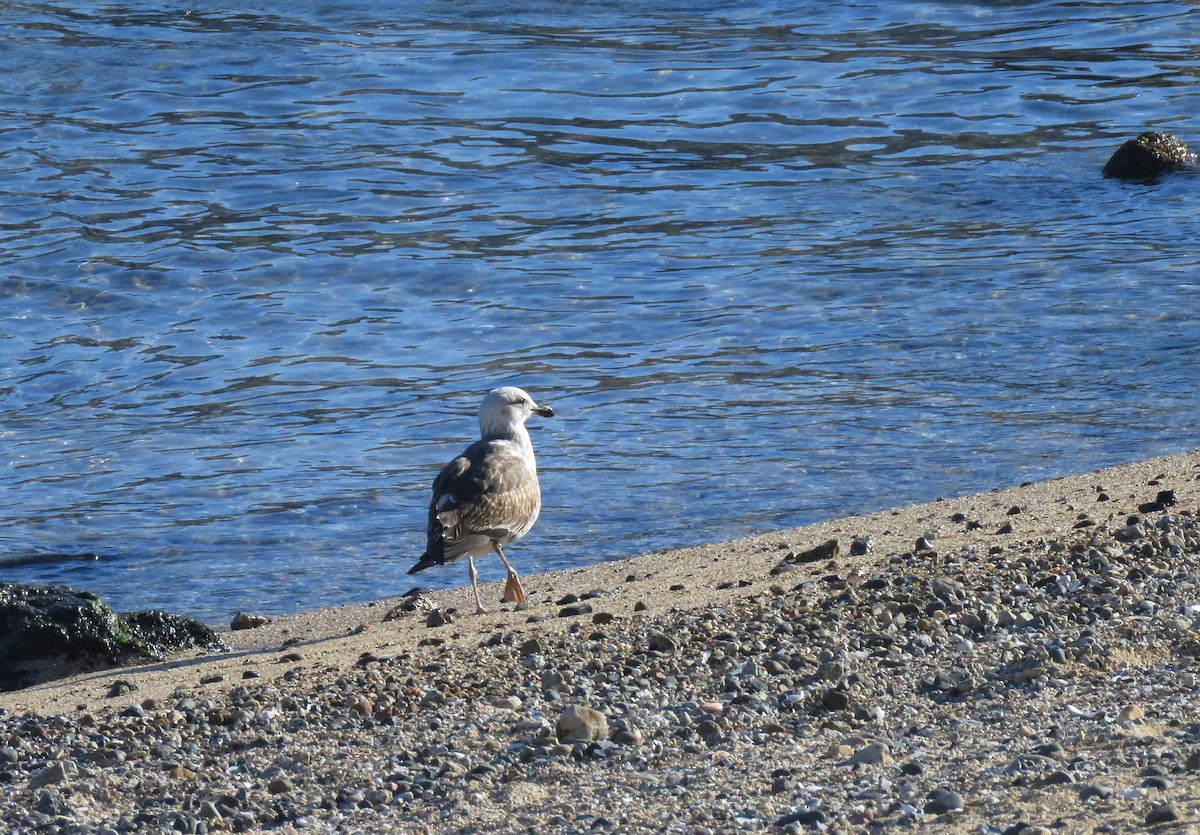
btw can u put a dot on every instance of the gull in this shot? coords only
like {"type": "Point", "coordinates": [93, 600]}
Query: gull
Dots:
{"type": "Point", "coordinates": [489, 495]}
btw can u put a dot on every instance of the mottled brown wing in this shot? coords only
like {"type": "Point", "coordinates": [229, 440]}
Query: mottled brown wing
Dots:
{"type": "Point", "coordinates": [486, 493]}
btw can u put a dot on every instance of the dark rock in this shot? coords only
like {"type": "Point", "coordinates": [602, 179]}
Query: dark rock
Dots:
{"type": "Point", "coordinates": [165, 632]}
{"type": "Point", "coordinates": [1149, 156]}
{"type": "Point", "coordinates": [49, 631]}
{"type": "Point", "coordinates": [828, 550]}
{"type": "Point", "coordinates": [813, 818]}
{"type": "Point", "coordinates": [1162, 814]}
{"type": "Point", "coordinates": [941, 801]}
{"type": "Point", "coordinates": [1097, 792]}
{"type": "Point", "coordinates": [1164, 499]}
{"type": "Point", "coordinates": [658, 642]}
{"type": "Point", "coordinates": [835, 699]}
{"type": "Point", "coordinates": [120, 687]}
{"type": "Point", "coordinates": [860, 546]}
{"type": "Point", "coordinates": [575, 611]}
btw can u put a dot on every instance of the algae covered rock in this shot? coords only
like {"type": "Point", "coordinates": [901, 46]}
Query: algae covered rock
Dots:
{"type": "Point", "coordinates": [48, 631]}
{"type": "Point", "coordinates": [1149, 156]}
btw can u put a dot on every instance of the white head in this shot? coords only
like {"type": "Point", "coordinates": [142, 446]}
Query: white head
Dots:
{"type": "Point", "coordinates": [504, 411]}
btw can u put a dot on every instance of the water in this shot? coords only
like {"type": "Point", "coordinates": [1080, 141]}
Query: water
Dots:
{"type": "Point", "coordinates": [770, 264]}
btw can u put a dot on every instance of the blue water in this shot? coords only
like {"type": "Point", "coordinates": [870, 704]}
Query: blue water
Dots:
{"type": "Point", "coordinates": [769, 263]}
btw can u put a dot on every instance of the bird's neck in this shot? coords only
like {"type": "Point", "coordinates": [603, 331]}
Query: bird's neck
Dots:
{"type": "Point", "coordinates": [518, 435]}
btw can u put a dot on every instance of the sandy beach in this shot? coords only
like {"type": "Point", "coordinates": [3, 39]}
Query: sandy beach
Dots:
{"type": "Point", "coordinates": [1018, 661]}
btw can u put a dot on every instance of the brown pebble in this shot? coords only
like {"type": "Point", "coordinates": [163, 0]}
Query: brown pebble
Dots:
{"type": "Point", "coordinates": [244, 621]}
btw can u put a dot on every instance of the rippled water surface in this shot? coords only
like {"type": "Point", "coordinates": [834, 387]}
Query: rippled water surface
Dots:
{"type": "Point", "coordinates": [770, 263]}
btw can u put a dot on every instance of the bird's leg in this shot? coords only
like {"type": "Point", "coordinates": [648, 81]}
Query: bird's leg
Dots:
{"type": "Point", "coordinates": [479, 610]}
{"type": "Point", "coordinates": [513, 593]}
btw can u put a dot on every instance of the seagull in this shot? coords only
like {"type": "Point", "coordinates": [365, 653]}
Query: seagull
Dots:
{"type": "Point", "coordinates": [489, 495]}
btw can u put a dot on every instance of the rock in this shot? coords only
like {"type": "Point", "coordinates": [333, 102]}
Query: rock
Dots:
{"type": "Point", "coordinates": [575, 610]}
{"type": "Point", "coordinates": [244, 621]}
{"type": "Point", "coordinates": [942, 801]}
{"type": "Point", "coordinates": [1148, 156]}
{"type": "Point", "coordinates": [1192, 763]}
{"type": "Point", "coordinates": [579, 723]}
{"type": "Point", "coordinates": [120, 687]}
{"type": "Point", "coordinates": [508, 703]}
{"type": "Point", "coordinates": [279, 785]}
{"type": "Point", "coordinates": [812, 818]}
{"type": "Point", "coordinates": [1130, 713]}
{"type": "Point", "coordinates": [48, 631]}
{"type": "Point", "coordinates": [164, 632]}
{"type": "Point", "coordinates": [1166, 813]}
{"type": "Point", "coordinates": [629, 737]}
{"type": "Point", "coordinates": [874, 753]}
{"type": "Point", "coordinates": [1095, 792]}
{"type": "Point", "coordinates": [836, 699]}
{"type": "Point", "coordinates": [657, 642]}
{"type": "Point", "coordinates": [54, 773]}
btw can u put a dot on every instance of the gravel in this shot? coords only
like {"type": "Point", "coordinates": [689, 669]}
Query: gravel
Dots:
{"type": "Point", "coordinates": [1041, 680]}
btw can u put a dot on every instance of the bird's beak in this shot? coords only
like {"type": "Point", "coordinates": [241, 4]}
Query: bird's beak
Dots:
{"type": "Point", "coordinates": [544, 411]}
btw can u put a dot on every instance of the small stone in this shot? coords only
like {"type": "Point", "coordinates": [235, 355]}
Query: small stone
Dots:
{"type": "Point", "coordinates": [251, 674]}
{"type": "Point", "coordinates": [244, 621]}
{"type": "Point", "coordinates": [575, 610]}
{"type": "Point", "coordinates": [577, 722]}
{"type": "Point", "coordinates": [120, 687]}
{"type": "Point", "coordinates": [279, 785]}
{"type": "Point", "coordinates": [509, 703]}
{"type": "Point", "coordinates": [860, 546]}
{"type": "Point", "coordinates": [657, 642]}
{"type": "Point", "coordinates": [56, 772]}
{"type": "Point", "coordinates": [214, 678]}
{"type": "Point", "coordinates": [640, 606]}
{"type": "Point", "coordinates": [811, 818]}
{"type": "Point", "coordinates": [1095, 792]}
{"type": "Point", "coordinates": [629, 737]}
{"type": "Point", "coordinates": [209, 811]}
{"type": "Point", "coordinates": [836, 699]}
{"type": "Point", "coordinates": [874, 753]}
{"type": "Point", "coordinates": [1130, 713]}
{"type": "Point", "coordinates": [1031, 674]}
{"type": "Point", "coordinates": [1165, 813]}
{"type": "Point", "coordinates": [1192, 763]}
{"type": "Point", "coordinates": [839, 752]}
{"type": "Point", "coordinates": [942, 801]}
{"type": "Point", "coordinates": [603, 618]}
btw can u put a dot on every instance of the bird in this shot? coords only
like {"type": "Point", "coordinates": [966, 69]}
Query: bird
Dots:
{"type": "Point", "coordinates": [489, 495]}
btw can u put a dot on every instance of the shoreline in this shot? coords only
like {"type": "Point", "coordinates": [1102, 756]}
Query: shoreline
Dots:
{"type": "Point", "coordinates": [970, 543]}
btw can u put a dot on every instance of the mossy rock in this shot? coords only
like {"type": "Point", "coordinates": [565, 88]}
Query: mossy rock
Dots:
{"type": "Point", "coordinates": [47, 631]}
{"type": "Point", "coordinates": [1150, 156]}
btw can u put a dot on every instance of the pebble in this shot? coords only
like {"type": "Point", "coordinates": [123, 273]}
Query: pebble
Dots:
{"type": "Point", "coordinates": [1162, 814]}
{"type": "Point", "coordinates": [838, 700]}
{"type": "Point", "coordinates": [578, 722]}
{"type": "Point", "coordinates": [244, 621]}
